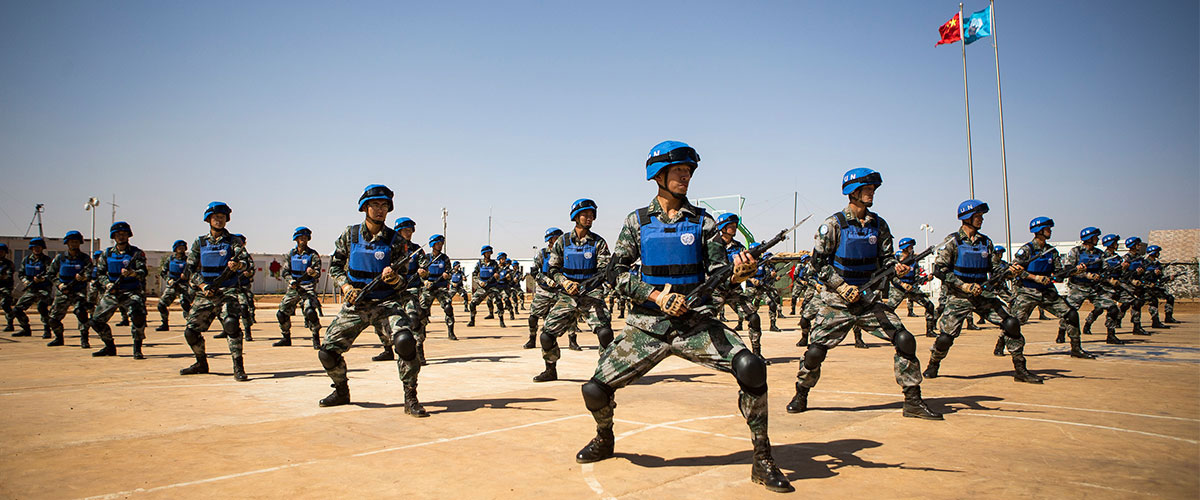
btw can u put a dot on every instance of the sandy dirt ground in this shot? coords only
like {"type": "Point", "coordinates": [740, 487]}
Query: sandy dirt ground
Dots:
{"type": "Point", "coordinates": [1126, 425]}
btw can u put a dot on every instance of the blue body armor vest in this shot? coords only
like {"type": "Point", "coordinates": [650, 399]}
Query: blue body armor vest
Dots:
{"type": "Point", "coordinates": [857, 255]}
{"type": "Point", "coordinates": [579, 260]}
{"type": "Point", "coordinates": [114, 264]}
{"type": "Point", "coordinates": [175, 267]}
{"type": "Point", "coordinates": [34, 268]}
{"type": "Point", "coordinates": [366, 261]}
{"type": "Point", "coordinates": [456, 277]}
{"type": "Point", "coordinates": [68, 269]}
{"type": "Point", "coordinates": [672, 252]}
{"type": "Point", "coordinates": [1042, 266]}
{"type": "Point", "coordinates": [1094, 261]}
{"type": "Point", "coordinates": [545, 261]}
{"type": "Point", "coordinates": [487, 270]}
{"type": "Point", "coordinates": [214, 257]}
{"type": "Point", "coordinates": [298, 265]}
{"type": "Point", "coordinates": [437, 267]}
{"type": "Point", "coordinates": [973, 262]}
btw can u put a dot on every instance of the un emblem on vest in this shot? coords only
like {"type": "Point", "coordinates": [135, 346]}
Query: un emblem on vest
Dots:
{"type": "Point", "coordinates": [379, 255]}
{"type": "Point", "coordinates": [221, 251]}
{"type": "Point", "coordinates": [872, 239]}
{"type": "Point", "coordinates": [587, 255]}
{"type": "Point", "coordinates": [687, 238]}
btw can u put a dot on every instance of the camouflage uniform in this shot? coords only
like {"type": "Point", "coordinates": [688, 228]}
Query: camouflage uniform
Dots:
{"type": "Point", "coordinates": [225, 302]}
{"type": "Point", "coordinates": [1084, 289]}
{"type": "Point", "coordinates": [759, 289]}
{"type": "Point", "coordinates": [650, 336]}
{"type": "Point", "coordinates": [438, 288]}
{"type": "Point", "coordinates": [387, 309]}
{"type": "Point", "coordinates": [122, 292]}
{"type": "Point", "coordinates": [517, 292]}
{"type": "Point", "coordinates": [544, 295]}
{"type": "Point", "coordinates": [39, 292]}
{"type": "Point", "coordinates": [811, 306]}
{"type": "Point", "coordinates": [568, 309]}
{"type": "Point", "coordinates": [798, 287]}
{"type": "Point", "coordinates": [737, 298]}
{"type": "Point", "coordinates": [246, 299]}
{"type": "Point", "coordinates": [489, 289]}
{"type": "Point", "coordinates": [835, 317]}
{"type": "Point", "coordinates": [1132, 297]}
{"type": "Point", "coordinates": [1030, 295]}
{"type": "Point", "coordinates": [6, 291]}
{"type": "Point", "coordinates": [173, 287]}
{"type": "Point", "coordinates": [71, 292]}
{"type": "Point", "coordinates": [456, 287]}
{"type": "Point", "coordinates": [897, 294]}
{"type": "Point", "coordinates": [302, 291]}
{"type": "Point", "coordinates": [1155, 291]}
{"type": "Point", "coordinates": [409, 303]}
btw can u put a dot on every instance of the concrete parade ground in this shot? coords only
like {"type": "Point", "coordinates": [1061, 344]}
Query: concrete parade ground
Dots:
{"type": "Point", "coordinates": [1126, 425]}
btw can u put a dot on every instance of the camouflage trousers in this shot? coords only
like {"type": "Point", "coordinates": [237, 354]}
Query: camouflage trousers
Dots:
{"type": "Point", "coordinates": [308, 302]}
{"type": "Point", "coordinates": [543, 300]}
{"type": "Point", "coordinates": [515, 296]}
{"type": "Point", "coordinates": [457, 289]}
{"type": "Point", "coordinates": [225, 304]}
{"type": "Point", "coordinates": [742, 303]}
{"type": "Point", "coordinates": [444, 297]}
{"type": "Point", "coordinates": [1047, 298]}
{"type": "Point", "coordinates": [565, 314]}
{"type": "Point", "coordinates": [353, 319]}
{"type": "Point", "coordinates": [959, 308]}
{"type": "Point", "coordinates": [64, 300]}
{"type": "Point", "coordinates": [133, 301]}
{"type": "Point", "coordinates": [1153, 295]}
{"type": "Point", "coordinates": [180, 291]}
{"type": "Point", "coordinates": [769, 295]}
{"type": "Point", "coordinates": [617, 302]}
{"type": "Point", "coordinates": [896, 295]}
{"type": "Point", "coordinates": [6, 304]}
{"type": "Point", "coordinates": [1132, 300]}
{"type": "Point", "coordinates": [798, 290]}
{"type": "Point", "coordinates": [494, 296]}
{"type": "Point", "coordinates": [39, 296]}
{"type": "Point", "coordinates": [1100, 299]}
{"type": "Point", "coordinates": [835, 319]}
{"type": "Point", "coordinates": [704, 341]}
{"type": "Point", "coordinates": [246, 299]}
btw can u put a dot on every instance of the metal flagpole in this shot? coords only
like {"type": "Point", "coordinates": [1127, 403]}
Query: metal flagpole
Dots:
{"type": "Point", "coordinates": [967, 100]}
{"type": "Point", "coordinates": [1003, 157]}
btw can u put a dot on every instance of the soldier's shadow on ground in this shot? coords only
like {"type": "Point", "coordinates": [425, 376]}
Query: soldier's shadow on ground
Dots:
{"type": "Point", "coordinates": [293, 374]}
{"type": "Point", "coordinates": [1050, 373]}
{"type": "Point", "coordinates": [940, 405]}
{"type": "Point", "coordinates": [467, 405]}
{"type": "Point", "coordinates": [804, 460]}
{"type": "Point", "coordinates": [471, 359]}
{"type": "Point", "coordinates": [681, 377]}
{"type": "Point", "coordinates": [480, 337]}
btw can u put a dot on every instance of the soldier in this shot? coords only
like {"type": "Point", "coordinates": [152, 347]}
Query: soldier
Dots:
{"type": "Point", "coordinates": [908, 287]}
{"type": "Point", "coordinates": [679, 247]}
{"type": "Point", "coordinates": [125, 267]}
{"type": "Point", "coordinates": [95, 290]}
{"type": "Point", "coordinates": [811, 306]}
{"type": "Point", "coordinates": [1156, 290]}
{"type": "Point", "coordinates": [363, 255]}
{"type": "Point", "coordinates": [6, 286]}
{"type": "Point", "coordinates": [851, 246]}
{"type": "Point", "coordinates": [732, 294]}
{"type": "Point", "coordinates": [216, 260]}
{"type": "Point", "coordinates": [1132, 296]}
{"type": "Point", "coordinates": [70, 270]}
{"type": "Point", "coordinates": [963, 265]}
{"type": "Point", "coordinates": [546, 292]}
{"type": "Point", "coordinates": [504, 279]}
{"type": "Point", "coordinates": [35, 275]}
{"type": "Point", "coordinates": [1110, 284]}
{"type": "Point", "coordinates": [1037, 285]}
{"type": "Point", "coordinates": [575, 258]}
{"type": "Point", "coordinates": [517, 291]}
{"type": "Point", "coordinates": [437, 267]}
{"type": "Point", "coordinates": [762, 288]}
{"type": "Point", "coordinates": [1086, 285]}
{"type": "Point", "coordinates": [246, 295]}
{"type": "Point", "coordinates": [301, 269]}
{"type": "Point", "coordinates": [456, 285]}
{"type": "Point", "coordinates": [172, 272]}
{"type": "Point", "coordinates": [797, 287]}
{"type": "Point", "coordinates": [483, 278]}
{"type": "Point", "coordinates": [413, 275]}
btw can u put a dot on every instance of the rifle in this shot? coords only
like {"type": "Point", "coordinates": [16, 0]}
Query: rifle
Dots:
{"type": "Point", "coordinates": [1002, 275]}
{"type": "Point", "coordinates": [706, 289]}
{"type": "Point", "coordinates": [374, 283]}
{"type": "Point", "coordinates": [868, 291]}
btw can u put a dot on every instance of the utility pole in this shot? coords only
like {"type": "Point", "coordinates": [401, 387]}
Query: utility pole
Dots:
{"type": "Point", "coordinates": [37, 219]}
{"type": "Point", "coordinates": [114, 209]}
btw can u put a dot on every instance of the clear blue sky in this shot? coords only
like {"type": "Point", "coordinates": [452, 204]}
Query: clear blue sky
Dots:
{"type": "Point", "coordinates": [285, 110]}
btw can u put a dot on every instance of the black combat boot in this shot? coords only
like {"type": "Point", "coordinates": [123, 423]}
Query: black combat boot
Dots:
{"type": "Point", "coordinates": [756, 348]}
{"type": "Point", "coordinates": [803, 342]}
{"type": "Point", "coordinates": [163, 327]}
{"type": "Point", "coordinates": [9, 327]}
{"type": "Point", "coordinates": [1078, 352]}
{"type": "Point", "coordinates": [1022, 374]}
{"type": "Point", "coordinates": [763, 471]}
{"type": "Point", "coordinates": [931, 370]}
{"type": "Point", "coordinates": [1112, 337]}
{"type": "Point", "coordinates": [501, 316]}
{"type": "Point", "coordinates": [411, 405]}
{"type": "Point", "coordinates": [109, 349]}
{"type": "Point", "coordinates": [999, 346]}
{"type": "Point", "coordinates": [339, 396]}
{"type": "Point", "coordinates": [137, 349]}
{"type": "Point", "coordinates": [450, 335]}
{"type": "Point", "coordinates": [532, 341]}
{"type": "Point", "coordinates": [1137, 330]}
{"type": "Point", "coordinates": [83, 341]}
{"type": "Point", "coordinates": [246, 336]}
{"type": "Point", "coordinates": [58, 340]}
{"type": "Point", "coordinates": [915, 407]}
{"type": "Point", "coordinates": [573, 342]}
{"type": "Point", "coordinates": [774, 328]}
{"type": "Point", "coordinates": [124, 322]}
{"type": "Point", "coordinates": [472, 322]}
{"type": "Point", "coordinates": [1170, 318]}
{"type": "Point", "coordinates": [239, 370]}
{"type": "Point", "coordinates": [47, 335]}
{"type": "Point", "coordinates": [286, 341]}
{"type": "Point", "coordinates": [1062, 337]}
{"type": "Point", "coordinates": [316, 340]}
{"type": "Point", "coordinates": [799, 402]}
{"type": "Point", "coordinates": [599, 448]}
{"type": "Point", "coordinates": [23, 332]}
{"type": "Point", "coordinates": [1155, 323]}
{"type": "Point", "coordinates": [386, 355]}
{"type": "Point", "coordinates": [971, 323]}
{"type": "Point", "coordinates": [548, 375]}
{"type": "Point", "coordinates": [858, 340]}
{"type": "Point", "coordinates": [491, 315]}
{"type": "Point", "coordinates": [737, 328]}
{"type": "Point", "coordinates": [197, 368]}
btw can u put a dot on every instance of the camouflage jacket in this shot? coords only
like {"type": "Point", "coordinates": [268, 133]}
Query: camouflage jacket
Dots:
{"type": "Point", "coordinates": [339, 261]}
{"type": "Point", "coordinates": [239, 254]}
{"type": "Point", "coordinates": [137, 264]}
{"type": "Point", "coordinates": [556, 254]}
{"type": "Point", "coordinates": [86, 271]}
{"type": "Point", "coordinates": [826, 244]}
{"type": "Point", "coordinates": [164, 268]}
{"type": "Point", "coordinates": [285, 271]}
{"type": "Point", "coordinates": [45, 274]}
{"type": "Point", "coordinates": [947, 257]}
{"type": "Point", "coordinates": [6, 273]}
{"type": "Point", "coordinates": [542, 279]}
{"type": "Point", "coordinates": [1032, 249]}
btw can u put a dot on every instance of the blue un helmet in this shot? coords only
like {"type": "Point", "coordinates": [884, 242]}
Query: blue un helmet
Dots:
{"type": "Point", "coordinates": [969, 208]}
{"type": "Point", "coordinates": [502, 255]}
{"type": "Point", "coordinates": [1110, 239]}
{"type": "Point", "coordinates": [1088, 233]}
{"type": "Point", "coordinates": [753, 245]}
{"type": "Point", "coordinates": [668, 153]}
{"type": "Point", "coordinates": [301, 231]}
{"type": "Point", "coordinates": [1153, 250]}
{"type": "Point", "coordinates": [217, 207]}
{"type": "Point", "coordinates": [998, 249]}
{"type": "Point", "coordinates": [3, 247]}
{"type": "Point", "coordinates": [552, 232]}
{"type": "Point", "coordinates": [405, 223]}
{"type": "Point", "coordinates": [375, 192]}
{"type": "Point", "coordinates": [73, 235]}
{"type": "Point", "coordinates": [1040, 223]}
{"type": "Point", "coordinates": [906, 243]}
{"type": "Point", "coordinates": [581, 205]}
{"type": "Point", "coordinates": [178, 243]}
{"type": "Point", "coordinates": [37, 242]}
{"type": "Point", "coordinates": [119, 226]}
{"type": "Point", "coordinates": [805, 257]}
{"type": "Point", "coordinates": [241, 238]}
{"type": "Point", "coordinates": [457, 263]}
{"type": "Point", "coordinates": [859, 177]}
{"type": "Point", "coordinates": [97, 254]}
{"type": "Point", "coordinates": [726, 219]}
{"type": "Point", "coordinates": [436, 239]}
{"type": "Point", "coordinates": [1132, 242]}
{"type": "Point", "coordinates": [485, 249]}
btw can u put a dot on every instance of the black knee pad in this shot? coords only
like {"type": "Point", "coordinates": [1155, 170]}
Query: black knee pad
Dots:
{"type": "Point", "coordinates": [329, 359]}
{"type": "Point", "coordinates": [805, 323]}
{"type": "Point", "coordinates": [596, 395]}
{"type": "Point", "coordinates": [605, 335]}
{"type": "Point", "coordinates": [448, 310]}
{"type": "Point", "coordinates": [943, 342]}
{"type": "Point", "coordinates": [231, 327]}
{"type": "Point", "coordinates": [549, 341]}
{"type": "Point", "coordinates": [414, 319]}
{"type": "Point", "coordinates": [1072, 317]}
{"type": "Point", "coordinates": [282, 316]}
{"type": "Point", "coordinates": [162, 308]}
{"type": "Point", "coordinates": [905, 343]}
{"type": "Point", "coordinates": [750, 372]}
{"type": "Point", "coordinates": [405, 345]}
{"type": "Point", "coordinates": [1011, 327]}
{"type": "Point", "coordinates": [311, 318]}
{"type": "Point", "coordinates": [191, 336]}
{"type": "Point", "coordinates": [814, 356]}
{"type": "Point", "coordinates": [754, 321]}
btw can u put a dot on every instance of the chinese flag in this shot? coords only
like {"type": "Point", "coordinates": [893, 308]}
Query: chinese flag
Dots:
{"type": "Point", "coordinates": [951, 31]}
